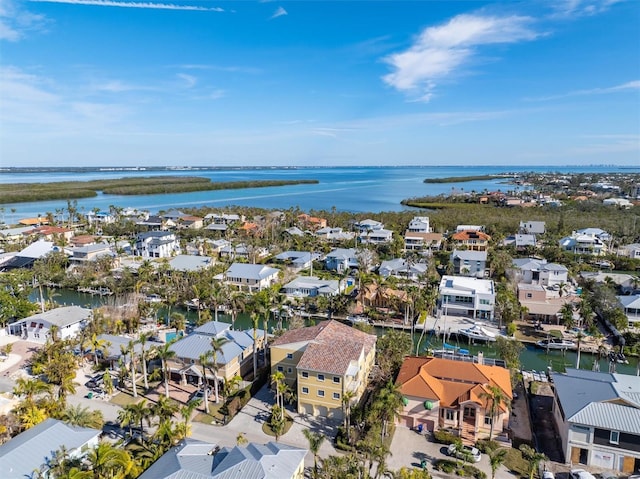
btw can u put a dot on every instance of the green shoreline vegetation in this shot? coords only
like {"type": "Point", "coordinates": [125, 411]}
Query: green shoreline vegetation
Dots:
{"type": "Point", "coordinates": [463, 179]}
{"type": "Point", "coordinates": [28, 192]}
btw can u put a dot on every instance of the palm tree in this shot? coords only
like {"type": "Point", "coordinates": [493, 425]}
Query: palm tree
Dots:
{"type": "Point", "coordinates": [533, 457]}
{"type": "Point", "coordinates": [237, 302]}
{"type": "Point", "coordinates": [315, 441]}
{"type": "Point", "coordinates": [255, 318]}
{"type": "Point", "coordinates": [144, 337]}
{"type": "Point", "coordinates": [165, 353]}
{"type": "Point", "coordinates": [140, 413]}
{"type": "Point", "coordinates": [83, 417]}
{"type": "Point", "coordinates": [388, 405]}
{"type": "Point", "coordinates": [97, 345]}
{"type": "Point", "coordinates": [205, 362]}
{"type": "Point", "coordinates": [126, 417]}
{"type": "Point", "coordinates": [496, 459]}
{"type": "Point", "coordinates": [346, 411]}
{"type": "Point", "coordinates": [164, 409]}
{"type": "Point", "coordinates": [216, 347]}
{"type": "Point", "coordinates": [109, 461]}
{"type": "Point", "coordinates": [278, 378]}
{"type": "Point", "coordinates": [132, 362]}
{"type": "Point", "coordinates": [217, 295]}
{"type": "Point", "coordinates": [495, 397]}
{"type": "Point", "coordinates": [29, 388]}
{"type": "Point", "coordinates": [186, 412]}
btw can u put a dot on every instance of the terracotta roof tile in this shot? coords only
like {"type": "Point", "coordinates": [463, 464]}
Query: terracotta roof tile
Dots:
{"type": "Point", "coordinates": [332, 346]}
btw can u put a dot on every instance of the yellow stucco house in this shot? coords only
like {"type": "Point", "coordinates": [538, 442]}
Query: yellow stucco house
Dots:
{"type": "Point", "coordinates": [321, 363]}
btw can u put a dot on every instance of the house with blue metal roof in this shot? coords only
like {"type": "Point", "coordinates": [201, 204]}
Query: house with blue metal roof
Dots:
{"type": "Point", "coordinates": [234, 358]}
{"type": "Point", "coordinates": [598, 419]}
{"type": "Point", "coordinates": [34, 449]}
{"type": "Point", "coordinates": [202, 460]}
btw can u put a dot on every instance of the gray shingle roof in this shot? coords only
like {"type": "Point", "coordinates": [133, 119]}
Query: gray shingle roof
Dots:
{"type": "Point", "coordinates": [36, 446]}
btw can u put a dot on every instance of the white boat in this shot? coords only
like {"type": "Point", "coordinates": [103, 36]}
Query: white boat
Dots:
{"type": "Point", "coordinates": [478, 333]}
{"type": "Point", "coordinates": [358, 319]}
{"type": "Point", "coordinates": [556, 343]}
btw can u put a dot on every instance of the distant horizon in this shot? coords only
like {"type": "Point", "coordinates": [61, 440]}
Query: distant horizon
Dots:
{"type": "Point", "coordinates": [295, 83]}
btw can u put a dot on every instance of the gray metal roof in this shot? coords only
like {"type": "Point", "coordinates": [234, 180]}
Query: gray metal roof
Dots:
{"type": "Point", "coordinates": [630, 301]}
{"type": "Point", "coordinates": [61, 317]}
{"type": "Point", "coordinates": [194, 345]}
{"type": "Point", "coordinates": [271, 461]}
{"type": "Point", "coordinates": [191, 460]}
{"type": "Point", "coordinates": [36, 446]}
{"type": "Point", "coordinates": [615, 417]}
{"type": "Point", "coordinates": [577, 389]}
{"type": "Point", "coordinates": [250, 271]}
{"type": "Point", "coordinates": [467, 254]}
{"type": "Point", "coordinates": [184, 262]}
{"type": "Point", "coordinates": [212, 328]}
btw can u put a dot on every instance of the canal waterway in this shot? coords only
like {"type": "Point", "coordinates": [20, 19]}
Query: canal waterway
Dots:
{"type": "Point", "coordinates": [531, 358]}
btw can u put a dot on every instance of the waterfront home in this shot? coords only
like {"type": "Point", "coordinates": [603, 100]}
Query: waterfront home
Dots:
{"type": "Point", "coordinates": [311, 222]}
{"type": "Point", "coordinates": [190, 263]}
{"type": "Point", "coordinates": [419, 224]}
{"type": "Point", "coordinates": [95, 218]}
{"type": "Point", "coordinates": [253, 277]}
{"type": "Point", "coordinates": [589, 241]}
{"type": "Point", "coordinates": [190, 222]}
{"type": "Point", "coordinates": [624, 283]}
{"type": "Point", "coordinates": [322, 363]}
{"type": "Point", "coordinates": [597, 416]}
{"type": "Point", "coordinates": [51, 233]}
{"type": "Point", "coordinates": [367, 225]}
{"type": "Point", "coordinates": [202, 460]}
{"type": "Point", "coordinates": [521, 242]}
{"type": "Point", "coordinates": [631, 250]}
{"type": "Point", "coordinates": [297, 260]}
{"type": "Point", "coordinates": [422, 241]}
{"type": "Point", "coordinates": [91, 252]}
{"type": "Point", "coordinates": [156, 244]}
{"type": "Point", "coordinates": [310, 286]}
{"type": "Point", "coordinates": [154, 223]}
{"type": "Point", "coordinates": [379, 236]}
{"type": "Point", "coordinates": [463, 296]}
{"type": "Point", "coordinates": [35, 449]}
{"type": "Point", "coordinates": [443, 393]}
{"type": "Point", "coordinates": [532, 227]}
{"type": "Point", "coordinates": [538, 306]}
{"type": "Point", "coordinates": [474, 240]}
{"type": "Point", "coordinates": [334, 234]}
{"type": "Point", "coordinates": [469, 263]}
{"type": "Point", "coordinates": [27, 256]}
{"type": "Point", "coordinates": [13, 235]}
{"type": "Point", "coordinates": [383, 298]}
{"type": "Point", "coordinates": [341, 259]}
{"type": "Point", "coordinates": [538, 271]}
{"type": "Point", "coordinates": [403, 269]}
{"type": "Point", "coordinates": [66, 321]}
{"type": "Point", "coordinates": [234, 358]}
{"type": "Point", "coordinates": [631, 306]}
{"type": "Point", "coordinates": [114, 346]}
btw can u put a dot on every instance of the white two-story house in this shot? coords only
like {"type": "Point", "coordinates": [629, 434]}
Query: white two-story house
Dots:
{"type": "Point", "coordinates": [157, 244]}
{"type": "Point", "coordinates": [465, 296]}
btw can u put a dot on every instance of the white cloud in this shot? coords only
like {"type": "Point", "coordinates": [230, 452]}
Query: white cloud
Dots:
{"type": "Point", "coordinates": [189, 80]}
{"type": "Point", "coordinates": [150, 5]}
{"type": "Point", "coordinates": [629, 86]}
{"type": "Point", "coordinates": [577, 8]}
{"type": "Point", "coordinates": [31, 100]}
{"type": "Point", "coordinates": [217, 94]}
{"type": "Point", "coordinates": [15, 21]}
{"type": "Point", "coordinates": [279, 13]}
{"type": "Point", "coordinates": [440, 51]}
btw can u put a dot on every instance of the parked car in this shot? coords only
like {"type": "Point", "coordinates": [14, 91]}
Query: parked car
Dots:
{"type": "Point", "coordinates": [466, 452]}
{"type": "Point", "coordinates": [581, 474]}
{"type": "Point", "coordinates": [95, 381]}
{"type": "Point", "coordinates": [199, 394]}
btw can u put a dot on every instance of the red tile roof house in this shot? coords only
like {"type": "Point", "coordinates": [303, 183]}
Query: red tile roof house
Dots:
{"type": "Point", "coordinates": [445, 393]}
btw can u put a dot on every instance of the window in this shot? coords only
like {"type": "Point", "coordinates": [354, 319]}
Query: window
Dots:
{"type": "Point", "coordinates": [529, 295]}
{"type": "Point", "coordinates": [305, 374]}
{"type": "Point", "coordinates": [336, 395]}
{"type": "Point", "coordinates": [449, 414]}
{"type": "Point", "coordinates": [305, 390]}
{"type": "Point", "coordinates": [488, 420]}
{"type": "Point", "coordinates": [280, 368]}
{"type": "Point", "coordinates": [336, 379]}
{"type": "Point", "coordinates": [320, 393]}
{"type": "Point", "coordinates": [289, 370]}
{"type": "Point", "coordinates": [614, 437]}
{"type": "Point", "coordinates": [289, 355]}
{"type": "Point", "coordinates": [320, 377]}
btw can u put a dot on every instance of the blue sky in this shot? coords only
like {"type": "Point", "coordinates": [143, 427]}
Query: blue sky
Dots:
{"type": "Point", "coordinates": [117, 82]}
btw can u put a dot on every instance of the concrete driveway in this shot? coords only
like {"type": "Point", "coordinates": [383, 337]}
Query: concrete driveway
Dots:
{"type": "Point", "coordinates": [250, 419]}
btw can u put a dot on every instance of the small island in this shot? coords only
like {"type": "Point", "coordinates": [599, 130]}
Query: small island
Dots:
{"type": "Point", "coordinates": [26, 192]}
